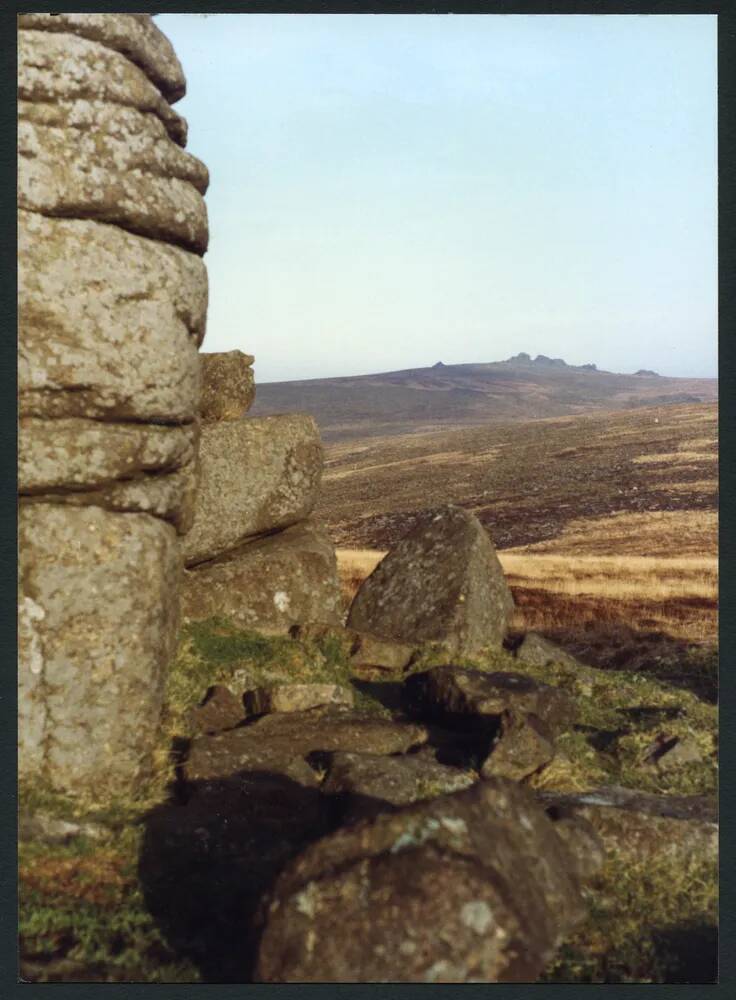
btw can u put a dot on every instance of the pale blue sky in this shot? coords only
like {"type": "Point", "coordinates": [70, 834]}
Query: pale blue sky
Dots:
{"type": "Point", "coordinates": [388, 191]}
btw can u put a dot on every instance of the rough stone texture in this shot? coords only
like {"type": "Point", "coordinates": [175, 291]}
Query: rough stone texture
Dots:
{"type": "Point", "coordinates": [640, 825]}
{"type": "Point", "coordinates": [366, 784]}
{"type": "Point", "coordinates": [65, 69]}
{"type": "Point", "coordinates": [110, 323]}
{"type": "Point", "coordinates": [523, 746]}
{"type": "Point", "coordinates": [133, 35]}
{"type": "Point", "coordinates": [471, 887]}
{"type": "Point", "coordinates": [443, 583]}
{"type": "Point", "coordinates": [295, 698]}
{"type": "Point", "coordinates": [228, 385]}
{"type": "Point", "coordinates": [256, 475]}
{"type": "Point", "coordinates": [455, 694]}
{"type": "Point", "coordinates": [81, 462]}
{"type": "Point", "coordinates": [123, 171]}
{"type": "Point", "coordinates": [98, 626]}
{"type": "Point", "coordinates": [219, 710]}
{"type": "Point", "coordinates": [269, 583]}
{"type": "Point", "coordinates": [278, 744]}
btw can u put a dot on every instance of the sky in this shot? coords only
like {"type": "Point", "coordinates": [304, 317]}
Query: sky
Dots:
{"type": "Point", "coordinates": [389, 191]}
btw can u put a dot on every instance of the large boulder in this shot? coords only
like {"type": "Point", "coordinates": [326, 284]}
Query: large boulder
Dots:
{"type": "Point", "coordinates": [133, 35]}
{"type": "Point", "coordinates": [228, 386]}
{"type": "Point", "coordinates": [268, 584]}
{"type": "Point", "coordinates": [441, 584]}
{"type": "Point", "coordinates": [110, 323]}
{"type": "Point", "coordinates": [256, 475]}
{"type": "Point", "coordinates": [98, 619]}
{"type": "Point", "coordinates": [123, 467]}
{"type": "Point", "coordinates": [470, 887]}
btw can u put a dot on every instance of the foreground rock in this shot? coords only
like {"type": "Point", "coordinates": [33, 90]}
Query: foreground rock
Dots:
{"type": "Point", "coordinates": [638, 825]}
{"type": "Point", "coordinates": [279, 743]}
{"type": "Point", "coordinates": [471, 887]}
{"type": "Point", "coordinates": [441, 584]}
{"type": "Point", "coordinates": [98, 619]}
{"type": "Point", "coordinates": [537, 651]}
{"type": "Point", "coordinates": [256, 475]}
{"type": "Point", "coordinates": [523, 745]}
{"type": "Point", "coordinates": [366, 784]}
{"type": "Point", "coordinates": [269, 583]}
{"type": "Point", "coordinates": [228, 386]}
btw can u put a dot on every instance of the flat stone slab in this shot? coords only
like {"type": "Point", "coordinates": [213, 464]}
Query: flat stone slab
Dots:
{"type": "Point", "coordinates": [366, 784]}
{"type": "Point", "coordinates": [278, 743]}
{"type": "Point", "coordinates": [256, 475]}
{"type": "Point", "coordinates": [269, 583]}
{"type": "Point", "coordinates": [295, 698]}
{"type": "Point", "coordinates": [135, 36]}
{"type": "Point", "coordinates": [122, 467]}
{"type": "Point", "coordinates": [441, 584]}
{"type": "Point", "coordinates": [639, 824]}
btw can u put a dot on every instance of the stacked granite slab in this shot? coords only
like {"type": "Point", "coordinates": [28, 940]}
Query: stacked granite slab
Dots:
{"type": "Point", "coordinates": [112, 304]}
{"type": "Point", "coordinates": [254, 554]}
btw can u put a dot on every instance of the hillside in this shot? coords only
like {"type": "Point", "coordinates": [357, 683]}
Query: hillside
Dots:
{"type": "Point", "coordinates": [530, 481]}
{"type": "Point", "coordinates": [444, 396]}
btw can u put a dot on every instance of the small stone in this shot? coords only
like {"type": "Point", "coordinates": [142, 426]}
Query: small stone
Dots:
{"type": "Point", "coordinates": [295, 698]}
{"type": "Point", "coordinates": [523, 746]}
{"type": "Point", "coordinates": [228, 386]}
{"type": "Point", "coordinates": [219, 710]}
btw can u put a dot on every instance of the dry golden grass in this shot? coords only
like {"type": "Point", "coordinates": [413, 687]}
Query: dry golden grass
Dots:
{"type": "Point", "coordinates": [675, 457]}
{"type": "Point", "coordinates": [651, 533]}
{"type": "Point", "coordinates": [676, 596]}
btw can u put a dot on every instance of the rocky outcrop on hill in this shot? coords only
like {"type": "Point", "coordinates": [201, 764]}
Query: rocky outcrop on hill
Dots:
{"type": "Point", "coordinates": [440, 584]}
{"type": "Point", "coordinates": [112, 302]}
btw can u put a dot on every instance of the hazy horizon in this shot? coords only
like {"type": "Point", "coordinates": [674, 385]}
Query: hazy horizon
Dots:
{"type": "Point", "coordinates": [389, 191]}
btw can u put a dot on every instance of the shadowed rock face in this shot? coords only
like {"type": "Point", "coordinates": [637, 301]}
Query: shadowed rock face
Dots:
{"type": "Point", "coordinates": [446, 693]}
{"type": "Point", "coordinates": [256, 475]}
{"type": "Point", "coordinates": [475, 886]}
{"type": "Point", "coordinates": [269, 583]}
{"type": "Point", "coordinates": [443, 583]}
